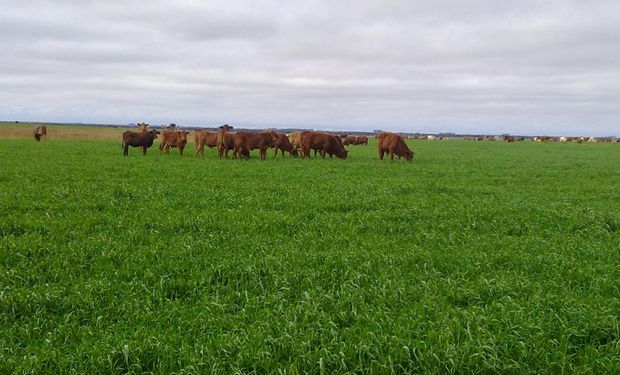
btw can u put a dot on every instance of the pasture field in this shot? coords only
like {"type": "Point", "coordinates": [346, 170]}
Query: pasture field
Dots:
{"type": "Point", "coordinates": [477, 257]}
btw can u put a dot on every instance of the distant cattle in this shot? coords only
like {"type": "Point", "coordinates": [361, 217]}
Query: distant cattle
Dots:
{"type": "Point", "coordinates": [172, 127]}
{"type": "Point", "coordinates": [325, 144]}
{"type": "Point", "coordinates": [225, 141]}
{"type": "Point", "coordinates": [138, 139]}
{"type": "Point", "coordinates": [361, 140]}
{"type": "Point", "coordinates": [282, 143]}
{"type": "Point", "coordinates": [204, 138]}
{"type": "Point", "coordinates": [509, 138]}
{"type": "Point", "coordinates": [393, 144]}
{"type": "Point", "coordinates": [173, 139]}
{"type": "Point", "coordinates": [429, 137]}
{"type": "Point", "coordinates": [248, 141]}
{"type": "Point", "coordinates": [40, 131]}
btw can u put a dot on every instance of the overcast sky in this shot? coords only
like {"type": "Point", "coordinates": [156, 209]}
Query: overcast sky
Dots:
{"type": "Point", "coordinates": [482, 66]}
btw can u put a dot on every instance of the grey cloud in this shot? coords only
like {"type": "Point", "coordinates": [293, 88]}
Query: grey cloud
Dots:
{"type": "Point", "coordinates": [524, 67]}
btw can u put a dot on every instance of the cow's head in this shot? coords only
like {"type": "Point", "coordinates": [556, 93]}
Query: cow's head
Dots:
{"type": "Point", "coordinates": [226, 127]}
{"type": "Point", "coordinates": [342, 153]}
{"type": "Point", "coordinates": [409, 155]}
{"type": "Point", "coordinates": [294, 151]}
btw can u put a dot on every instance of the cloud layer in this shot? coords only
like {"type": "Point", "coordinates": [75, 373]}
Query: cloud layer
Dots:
{"type": "Point", "coordinates": [481, 66]}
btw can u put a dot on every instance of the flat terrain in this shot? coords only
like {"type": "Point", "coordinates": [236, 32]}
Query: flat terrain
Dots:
{"type": "Point", "coordinates": [477, 257]}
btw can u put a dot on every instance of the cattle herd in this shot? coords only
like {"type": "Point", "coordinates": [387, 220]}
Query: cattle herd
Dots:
{"type": "Point", "coordinates": [242, 143]}
{"type": "Point", "coordinates": [297, 143]}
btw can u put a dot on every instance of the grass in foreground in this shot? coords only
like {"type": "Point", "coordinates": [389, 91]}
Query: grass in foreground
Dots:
{"type": "Point", "coordinates": [478, 257]}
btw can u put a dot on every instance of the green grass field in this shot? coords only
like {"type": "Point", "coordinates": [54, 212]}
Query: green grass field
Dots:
{"type": "Point", "coordinates": [477, 257]}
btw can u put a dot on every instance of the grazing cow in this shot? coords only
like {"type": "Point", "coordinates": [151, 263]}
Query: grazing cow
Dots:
{"type": "Point", "coordinates": [349, 140]}
{"type": "Point", "coordinates": [225, 141]}
{"type": "Point", "coordinates": [563, 139]}
{"type": "Point", "coordinates": [173, 139]}
{"type": "Point", "coordinates": [204, 138]}
{"type": "Point", "coordinates": [393, 144]}
{"type": "Point", "coordinates": [248, 141]}
{"type": "Point", "coordinates": [323, 143]}
{"type": "Point", "coordinates": [138, 139]}
{"type": "Point", "coordinates": [282, 143]}
{"type": "Point", "coordinates": [362, 140]}
{"type": "Point", "coordinates": [509, 139]}
{"type": "Point", "coordinates": [40, 131]}
{"type": "Point", "coordinates": [295, 138]}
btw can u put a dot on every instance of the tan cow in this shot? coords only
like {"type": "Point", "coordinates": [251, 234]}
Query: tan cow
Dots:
{"type": "Point", "coordinates": [173, 139]}
{"type": "Point", "coordinates": [225, 141]}
{"type": "Point", "coordinates": [40, 131]}
{"type": "Point", "coordinates": [204, 138]}
{"type": "Point", "coordinates": [143, 127]}
{"type": "Point", "coordinates": [295, 139]}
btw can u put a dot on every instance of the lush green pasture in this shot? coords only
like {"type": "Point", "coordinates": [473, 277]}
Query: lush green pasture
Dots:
{"type": "Point", "coordinates": [477, 257]}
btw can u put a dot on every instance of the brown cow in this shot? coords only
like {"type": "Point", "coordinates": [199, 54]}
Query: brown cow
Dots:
{"type": "Point", "coordinates": [322, 142]}
{"type": "Point", "coordinates": [349, 140]}
{"type": "Point", "coordinates": [283, 144]}
{"type": "Point", "coordinates": [361, 140]}
{"type": "Point", "coordinates": [138, 139]}
{"type": "Point", "coordinates": [173, 139]}
{"type": "Point", "coordinates": [509, 139]}
{"type": "Point", "coordinates": [225, 141]}
{"type": "Point", "coordinates": [248, 141]}
{"type": "Point", "coordinates": [204, 138]}
{"type": "Point", "coordinates": [40, 131]}
{"type": "Point", "coordinates": [393, 144]}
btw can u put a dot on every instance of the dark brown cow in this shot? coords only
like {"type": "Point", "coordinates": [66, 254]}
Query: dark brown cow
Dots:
{"type": "Point", "coordinates": [393, 144]}
{"type": "Point", "coordinates": [509, 139]}
{"type": "Point", "coordinates": [225, 141]}
{"type": "Point", "coordinates": [323, 143]}
{"type": "Point", "coordinates": [173, 139]}
{"type": "Point", "coordinates": [361, 140]}
{"type": "Point", "coordinates": [282, 143]}
{"type": "Point", "coordinates": [248, 141]}
{"type": "Point", "coordinates": [40, 131]}
{"type": "Point", "coordinates": [204, 138]}
{"type": "Point", "coordinates": [138, 139]}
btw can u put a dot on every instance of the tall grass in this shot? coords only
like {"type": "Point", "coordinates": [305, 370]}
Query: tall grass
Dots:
{"type": "Point", "coordinates": [477, 257]}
